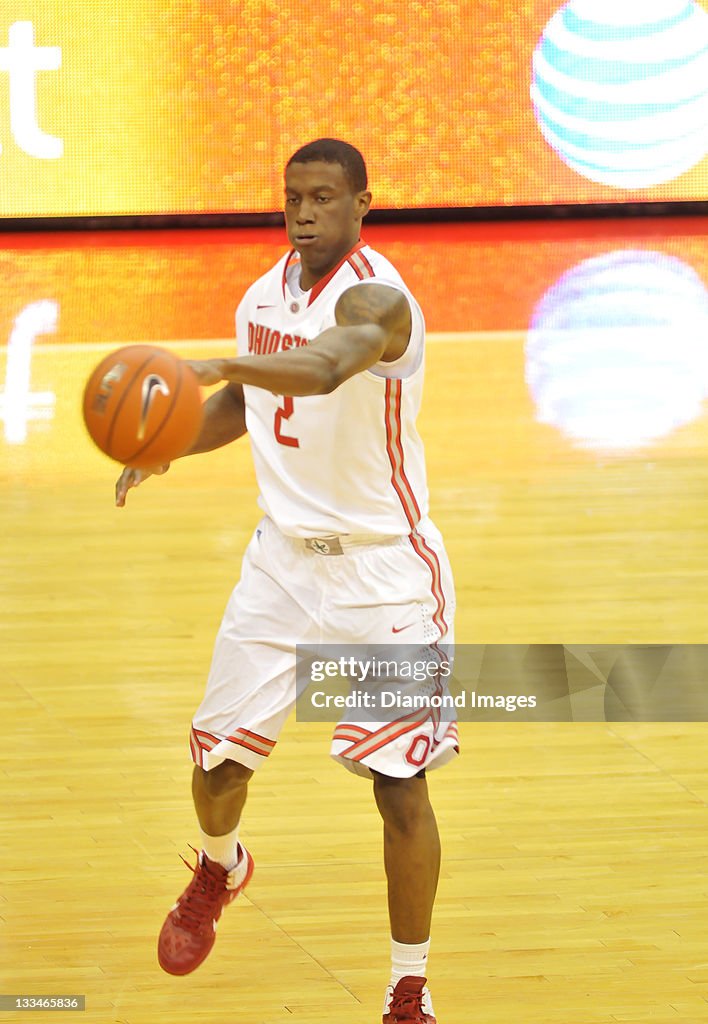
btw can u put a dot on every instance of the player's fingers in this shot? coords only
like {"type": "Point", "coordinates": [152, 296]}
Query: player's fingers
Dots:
{"type": "Point", "coordinates": [131, 477]}
{"type": "Point", "coordinates": [122, 488]}
{"type": "Point", "coordinates": [128, 478]}
{"type": "Point", "coordinates": [205, 370]}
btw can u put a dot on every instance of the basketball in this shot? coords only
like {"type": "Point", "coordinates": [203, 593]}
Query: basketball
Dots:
{"type": "Point", "coordinates": [142, 406]}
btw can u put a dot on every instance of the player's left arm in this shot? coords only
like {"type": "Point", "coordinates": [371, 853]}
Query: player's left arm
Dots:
{"type": "Point", "coordinates": [373, 323]}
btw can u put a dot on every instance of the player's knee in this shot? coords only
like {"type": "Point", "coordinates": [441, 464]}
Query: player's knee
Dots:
{"type": "Point", "coordinates": [402, 803]}
{"type": "Point", "coordinates": [225, 778]}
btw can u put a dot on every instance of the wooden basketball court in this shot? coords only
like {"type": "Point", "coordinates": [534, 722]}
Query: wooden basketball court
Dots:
{"type": "Point", "coordinates": [573, 886]}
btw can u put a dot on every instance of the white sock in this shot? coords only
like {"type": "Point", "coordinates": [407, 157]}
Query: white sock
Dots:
{"type": "Point", "coordinates": [221, 849]}
{"type": "Point", "coordinates": [408, 960]}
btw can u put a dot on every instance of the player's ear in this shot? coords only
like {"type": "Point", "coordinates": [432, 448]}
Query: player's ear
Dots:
{"type": "Point", "coordinates": [363, 201]}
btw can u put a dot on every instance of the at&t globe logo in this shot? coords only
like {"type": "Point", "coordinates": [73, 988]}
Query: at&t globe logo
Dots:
{"type": "Point", "coordinates": [620, 88]}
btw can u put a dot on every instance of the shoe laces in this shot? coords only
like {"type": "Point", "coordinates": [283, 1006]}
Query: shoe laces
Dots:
{"type": "Point", "coordinates": [201, 901]}
{"type": "Point", "coordinates": [407, 1006]}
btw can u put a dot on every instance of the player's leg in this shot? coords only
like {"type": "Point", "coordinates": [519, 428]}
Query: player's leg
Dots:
{"type": "Point", "coordinates": [219, 796]}
{"type": "Point", "coordinates": [411, 856]}
{"type": "Point", "coordinates": [412, 862]}
{"type": "Point", "coordinates": [249, 694]}
{"type": "Point", "coordinates": [222, 871]}
{"type": "Point", "coordinates": [412, 593]}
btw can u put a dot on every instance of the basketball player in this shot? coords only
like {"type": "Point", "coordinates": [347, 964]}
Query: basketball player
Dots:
{"type": "Point", "coordinates": [327, 383]}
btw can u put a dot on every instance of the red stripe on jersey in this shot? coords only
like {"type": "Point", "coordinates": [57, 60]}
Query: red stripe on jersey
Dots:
{"type": "Point", "coordinates": [362, 269]}
{"type": "Point", "coordinates": [424, 550]}
{"type": "Point", "coordinates": [394, 455]}
{"type": "Point", "coordinates": [361, 266]}
{"type": "Point", "coordinates": [369, 268]}
{"type": "Point", "coordinates": [399, 435]}
{"type": "Point", "coordinates": [394, 449]}
{"type": "Point", "coordinates": [322, 284]}
{"type": "Point", "coordinates": [293, 257]}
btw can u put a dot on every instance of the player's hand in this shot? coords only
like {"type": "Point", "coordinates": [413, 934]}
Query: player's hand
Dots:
{"type": "Point", "coordinates": [131, 477]}
{"type": "Point", "coordinates": [208, 371]}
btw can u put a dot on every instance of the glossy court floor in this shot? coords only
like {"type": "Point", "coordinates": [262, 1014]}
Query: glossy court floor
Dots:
{"type": "Point", "coordinates": [567, 441]}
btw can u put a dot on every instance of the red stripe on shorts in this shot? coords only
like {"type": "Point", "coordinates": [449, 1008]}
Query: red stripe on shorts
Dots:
{"type": "Point", "coordinates": [249, 746]}
{"type": "Point", "coordinates": [423, 549]}
{"type": "Point", "coordinates": [386, 734]}
{"type": "Point", "coordinates": [195, 749]}
{"type": "Point", "coordinates": [352, 727]}
{"type": "Point", "coordinates": [346, 733]}
{"type": "Point", "coordinates": [204, 741]}
{"type": "Point", "coordinates": [253, 737]}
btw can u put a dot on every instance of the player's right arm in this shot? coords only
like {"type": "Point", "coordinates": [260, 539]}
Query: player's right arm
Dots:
{"type": "Point", "coordinates": [224, 421]}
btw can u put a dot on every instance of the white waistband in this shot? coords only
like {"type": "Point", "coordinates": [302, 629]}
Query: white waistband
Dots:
{"type": "Point", "coordinates": [337, 545]}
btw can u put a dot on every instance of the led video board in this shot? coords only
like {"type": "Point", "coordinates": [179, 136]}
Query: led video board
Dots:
{"type": "Point", "coordinates": [174, 107]}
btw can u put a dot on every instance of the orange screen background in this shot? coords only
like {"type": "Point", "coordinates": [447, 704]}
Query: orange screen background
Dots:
{"type": "Point", "coordinates": [187, 106]}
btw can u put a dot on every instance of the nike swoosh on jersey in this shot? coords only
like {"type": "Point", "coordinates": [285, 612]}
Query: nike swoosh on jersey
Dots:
{"type": "Point", "coordinates": [399, 629]}
{"type": "Point", "coordinates": [267, 306]}
{"type": "Point", "coordinates": [151, 385]}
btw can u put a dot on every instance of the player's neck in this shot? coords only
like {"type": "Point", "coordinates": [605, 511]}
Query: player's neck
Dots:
{"type": "Point", "coordinates": [311, 275]}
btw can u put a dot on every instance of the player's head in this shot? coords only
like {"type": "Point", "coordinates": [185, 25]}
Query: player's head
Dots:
{"type": "Point", "coordinates": [334, 151]}
{"type": "Point", "coordinates": [326, 199]}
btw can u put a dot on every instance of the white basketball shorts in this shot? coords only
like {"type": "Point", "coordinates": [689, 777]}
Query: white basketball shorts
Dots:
{"type": "Point", "coordinates": [290, 594]}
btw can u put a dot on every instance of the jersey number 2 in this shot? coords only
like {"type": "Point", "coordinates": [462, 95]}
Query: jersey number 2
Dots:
{"type": "Point", "coordinates": [284, 412]}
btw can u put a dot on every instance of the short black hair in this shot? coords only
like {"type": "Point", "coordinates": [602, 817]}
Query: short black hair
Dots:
{"type": "Point", "coordinates": [334, 151]}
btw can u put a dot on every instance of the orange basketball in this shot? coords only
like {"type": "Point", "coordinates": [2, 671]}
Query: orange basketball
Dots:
{"type": "Point", "coordinates": [142, 406]}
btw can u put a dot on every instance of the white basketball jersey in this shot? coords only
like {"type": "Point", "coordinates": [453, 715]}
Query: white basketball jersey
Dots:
{"type": "Point", "coordinates": [350, 462]}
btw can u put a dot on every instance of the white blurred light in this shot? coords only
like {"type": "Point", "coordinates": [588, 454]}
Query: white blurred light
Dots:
{"type": "Point", "coordinates": [617, 350]}
{"type": "Point", "coordinates": [18, 404]}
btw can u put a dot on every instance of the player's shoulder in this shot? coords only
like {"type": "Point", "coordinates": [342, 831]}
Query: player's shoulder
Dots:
{"type": "Point", "coordinates": [385, 273]}
{"type": "Point", "coordinates": [381, 271]}
{"type": "Point", "coordinates": [378, 265]}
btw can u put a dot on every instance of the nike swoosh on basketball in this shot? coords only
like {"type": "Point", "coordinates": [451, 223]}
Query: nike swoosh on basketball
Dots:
{"type": "Point", "coordinates": [399, 629]}
{"type": "Point", "coordinates": [151, 385]}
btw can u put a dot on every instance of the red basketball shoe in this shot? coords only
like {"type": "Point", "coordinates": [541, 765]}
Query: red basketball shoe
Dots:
{"type": "Point", "coordinates": [189, 930]}
{"type": "Point", "coordinates": [408, 1003]}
